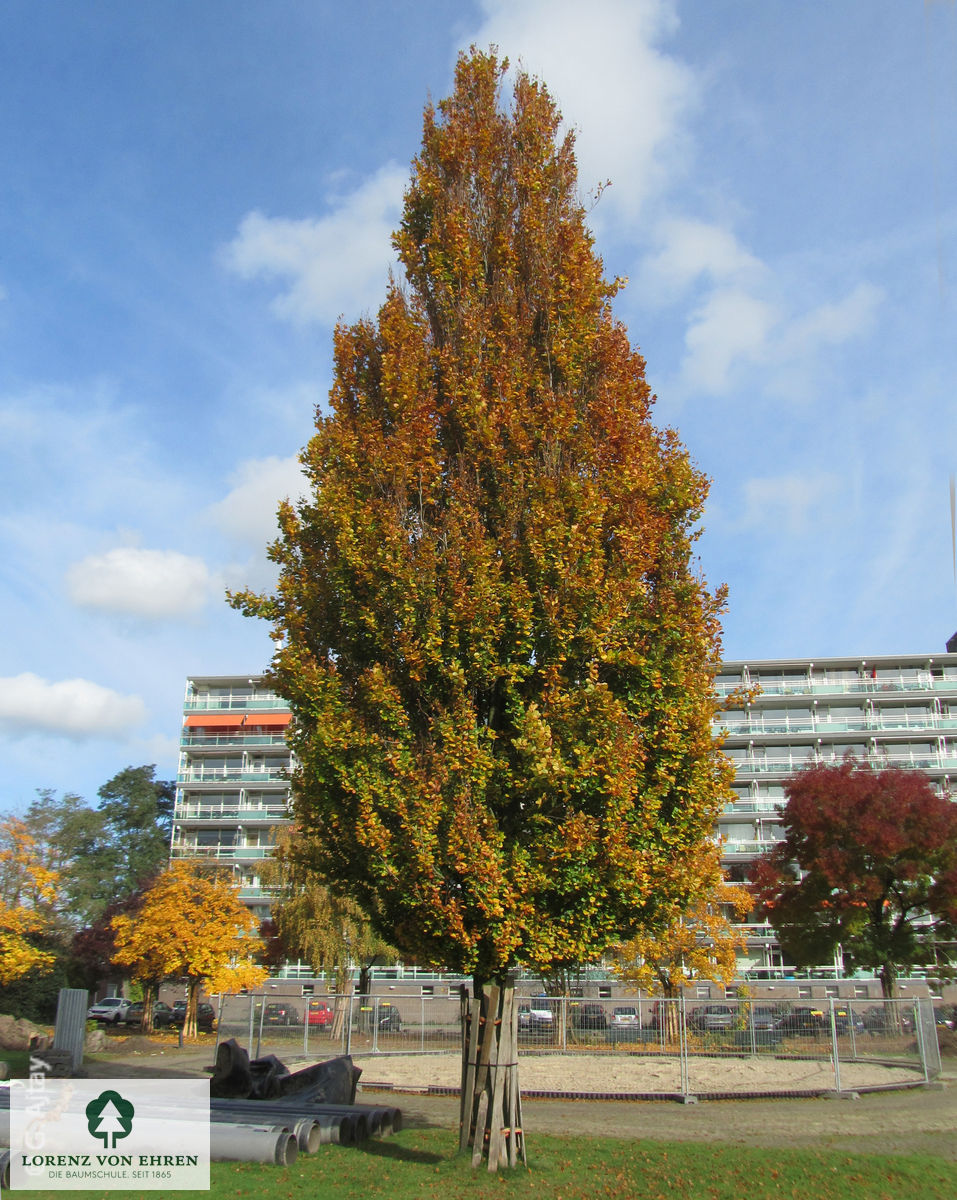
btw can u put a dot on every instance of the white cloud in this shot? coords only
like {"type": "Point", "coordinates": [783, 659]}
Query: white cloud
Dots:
{"type": "Point", "coordinates": [788, 503]}
{"type": "Point", "coordinates": [74, 708]}
{"type": "Point", "coordinates": [692, 249]}
{"type": "Point", "coordinates": [831, 324]}
{"type": "Point", "coordinates": [730, 326]}
{"type": "Point", "coordinates": [627, 100]}
{"type": "Point", "coordinates": [332, 265]}
{"type": "Point", "coordinates": [734, 329]}
{"type": "Point", "coordinates": [156, 584]}
{"type": "Point", "coordinates": [248, 511]}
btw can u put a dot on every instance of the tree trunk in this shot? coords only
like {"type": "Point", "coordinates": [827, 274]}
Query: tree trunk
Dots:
{"type": "Point", "coordinates": [149, 996]}
{"type": "Point", "coordinates": [192, 1000]}
{"type": "Point", "coordinates": [888, 978]}
{"type": "Point", "coordinates": [491, 1103]}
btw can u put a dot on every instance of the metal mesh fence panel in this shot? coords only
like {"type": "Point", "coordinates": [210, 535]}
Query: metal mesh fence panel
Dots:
{"type": "Point", "coordinates": [825, 1034]}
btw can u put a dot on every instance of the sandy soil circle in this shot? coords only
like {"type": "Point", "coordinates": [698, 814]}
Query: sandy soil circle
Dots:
{"type": "Point", "coordinates": [633, 1074]}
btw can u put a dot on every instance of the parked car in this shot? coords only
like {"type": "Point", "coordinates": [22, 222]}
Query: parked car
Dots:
{"type": "Point", "coordinates": [944, 1016]}
{"type": "Point", "coordinates": [808, 1022]}
{"type": "Point", "coordinates": [162, 1014]}
{"type": "Point", "coordinates": [624, 1016]}
{"type": "Point", "coordinates": [589, 1016]}
{"type": "Point", "coordinates": [111, 1010]}
{"type": "Point", "coordinates": [535, 1016]}
{"type": "Point", "coordinates": [847, 1019]}
{"type": "Point", "coordinates": [711, 1018]}
{"type": "Point", "coordinates": [280, 1014]}
{"type": "Point", "coordinates": [764, 1018]}
{"type": "Point", "coordinates": [388, 1018]}
{"type": "Point", "coordinates": [319, 1013]}
{"type": "Point", "coordinates": [891, 1018]}
{"type": "Point", "coordinates": [205, 1016]}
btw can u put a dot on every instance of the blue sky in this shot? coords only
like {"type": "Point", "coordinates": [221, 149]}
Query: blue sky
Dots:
{"type": "Point", "coordinates": [193, 193]}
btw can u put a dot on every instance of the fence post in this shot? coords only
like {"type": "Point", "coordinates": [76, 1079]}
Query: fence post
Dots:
{"type": "Point", "coordinates": [422, 1021]}
{"type": "Point", "coordinates": [262, 1014]}
{"type": "Point", "coordinates": [683, 1045]}
{"type": "Point", "coordinates": [834, 1050]}
{"type": "Point", "coordinates": [252, 1009]}
{"type": "Point", "coordinates": [305, 1026]}
{"type": "Point", "coordinates": [348, 1049]}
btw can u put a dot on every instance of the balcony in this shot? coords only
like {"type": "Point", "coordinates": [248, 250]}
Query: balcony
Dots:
{"type": "Point", "coordinates": [236, 739]}
{"type": "Point", "coordinates": [231, 775]}
{"type": "Point", "coordinates": [745, 849]}
{"type": "Point", "coordinates": [883, 720]}
{"type": "Point", "coordinates": [186, 850]}
{"type": "Point", "coordinates": [222, 812]}
{"type": "Point", "coordinates": [839, 687]}
{"type": "Point", "coordinates": [237, 703]}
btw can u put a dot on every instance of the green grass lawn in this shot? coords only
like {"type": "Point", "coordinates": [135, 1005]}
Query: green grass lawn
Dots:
{"type": "Point", "coordinates": [420, 1164]}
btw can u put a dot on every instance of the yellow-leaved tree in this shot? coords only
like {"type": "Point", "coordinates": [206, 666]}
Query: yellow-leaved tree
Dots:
{"type": "Point", "coordinates": [700, 942]}
{"type": "Point", "coordinates": [190, 925]}
{"type": "Point", "coordinates": [27, 888]}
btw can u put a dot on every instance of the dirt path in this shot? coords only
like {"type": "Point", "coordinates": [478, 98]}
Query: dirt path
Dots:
{"type": "Point", "coordinates": [922, 1121]}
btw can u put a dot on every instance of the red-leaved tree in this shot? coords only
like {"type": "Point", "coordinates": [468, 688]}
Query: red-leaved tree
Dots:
{"type": "Point", "coordinates": [868, 863]}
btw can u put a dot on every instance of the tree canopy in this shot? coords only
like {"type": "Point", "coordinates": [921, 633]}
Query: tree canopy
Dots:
{"type": "Point", "coordinates": [191, 925]}
{"type": "Point", "coordinates": [497, 649]}
{"type": "Point", "coordinates": [700, 942]}
{"type": "Point", "coordinates": [27, 888]}
{"type": "Point", "coordinates": [868, 863]}
{"type": "Point", "coordinates": [310, 921]}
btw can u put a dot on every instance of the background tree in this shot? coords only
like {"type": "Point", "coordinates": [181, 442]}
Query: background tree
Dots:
{"type": "Point", "coordinates": [309, 921]}
{"type": "Point", "coordinates": [701, 942]}
{"type": "Point", "coordinates": [101, 854]}
{"type": "Point", "coordinates": [68, 836]}
{"type": "Point", "coordinates": [27, 889]}
{"type": "Point", "coordinates": [868, 863]}
{"type": "Point", "coordinates": [497, 652]}
{"type": "Point", "coordinates": [190, 925]}
{"type": "Point", "coordinates": [137, 813]}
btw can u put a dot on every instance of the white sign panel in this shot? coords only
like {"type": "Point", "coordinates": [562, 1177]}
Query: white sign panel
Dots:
{"type": "Point", "coordinates": [114, 1134]}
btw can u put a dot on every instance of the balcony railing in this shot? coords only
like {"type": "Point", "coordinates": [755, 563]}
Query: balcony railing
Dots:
{"type": "Point", "coordinates": [236, 739]}
{"type": "Point", "coordinates": [216, 812]}
{"type": "Point", "coordinates": [237, 703]}
{"type": "Point", "coordinates": [878, 722]}
{"type": "Point", "coordinates": [786, 766]}
{"type": "Point", "coordinates": [187, 850]}
{"type": "Point", "coordinates": [749, 848]}
{"type": "Point", "coordinates": [230, 775]}
{"type": "Point", "coordinates": [847, 687]}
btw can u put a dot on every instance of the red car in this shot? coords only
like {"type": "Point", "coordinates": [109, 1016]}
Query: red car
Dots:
{"type": "Point", "coordinates": [320, 1014]}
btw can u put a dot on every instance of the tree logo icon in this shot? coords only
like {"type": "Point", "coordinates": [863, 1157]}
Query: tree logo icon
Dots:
{"type": "Point", "coordinates": [109, 1117]}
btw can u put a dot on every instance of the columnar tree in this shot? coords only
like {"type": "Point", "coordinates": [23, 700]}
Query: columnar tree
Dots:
{"type": "Point", "coordinates": [868, 864]}
{"type": "Point", "coordinates": [497, 652]}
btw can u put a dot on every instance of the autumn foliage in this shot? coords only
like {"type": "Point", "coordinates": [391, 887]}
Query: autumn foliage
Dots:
{"type": "Point", "coordinates": [701, 940]}
{"type": "Point", "coordinates": [868, 863]}
{"type": "Point", "coordinates": [27, 891]}
{"type": "Point", "coordinates": [496, 648]}
{"type": "Point", "coordinates": [190, 925]}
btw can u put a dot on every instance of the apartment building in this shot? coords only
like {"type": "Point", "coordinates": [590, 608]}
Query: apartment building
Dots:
{"type": "Point", "coordinates": [232, 789]}
{"type": "Point", "coordinates": [890, 711]}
